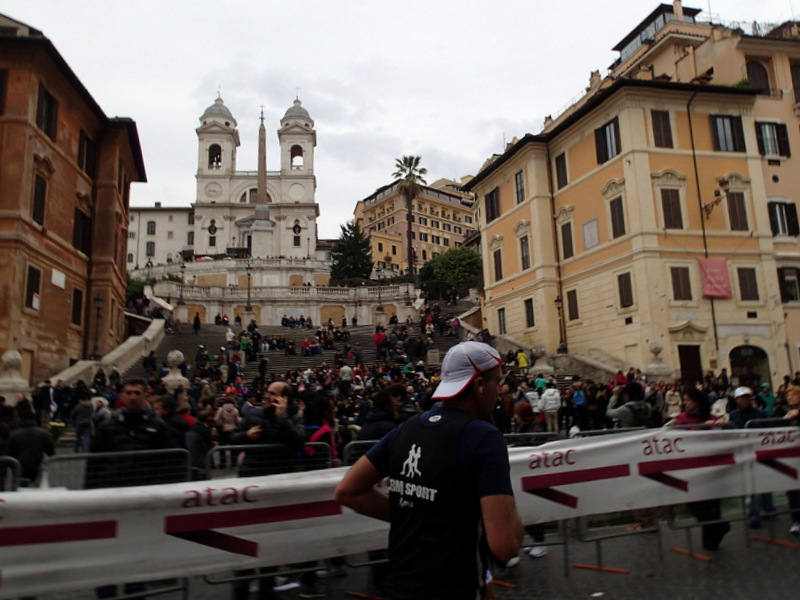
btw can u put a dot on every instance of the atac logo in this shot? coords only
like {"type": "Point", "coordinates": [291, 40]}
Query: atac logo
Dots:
{"type": "Point", "coordinates": [411, 465]}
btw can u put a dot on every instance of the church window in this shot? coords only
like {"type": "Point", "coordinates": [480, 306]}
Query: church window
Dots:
{"type": "Point", "coordinates": [249, 196]}
{"type": "Point", "coordinates": [296, 241]}
{"type": "Point", "coordinates": [296, 154]}
{"type": "Point", "coordinates": [214, 156]}
{"type": "Point", "coordinates": [212, 240]}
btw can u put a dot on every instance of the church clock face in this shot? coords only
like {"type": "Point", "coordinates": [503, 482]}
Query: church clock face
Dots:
{"type": "Point", "coordinates": [296, 229]}
{"type": "Point", "coordinates": [212, 229]}
{"type": "Point", "coordinates": [213, 190]}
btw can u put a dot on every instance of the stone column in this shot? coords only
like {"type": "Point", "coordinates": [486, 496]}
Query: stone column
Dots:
{"type": "Point", "coordinates": [12, 383]}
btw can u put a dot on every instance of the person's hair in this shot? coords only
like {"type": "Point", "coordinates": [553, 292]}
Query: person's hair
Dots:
{"type": "Point", "coordinates": [382, 399]}
{"type": "Point", "coordinates": [168, 403]}
{"type": "Point", "coordinates": [525, 411]}
{"type": "Point", "coordinates": [316, 407]}
{"type": "Point", "coordinates": [135, 381]}
{"type": "Point", "coordinates": [634, 391]}
{"type": "Point", "coordinates": [703, 403]}
{"type": "Point", "coordinates": [25, 411]}
{"type": "Point", "coordinates": [398, 389]}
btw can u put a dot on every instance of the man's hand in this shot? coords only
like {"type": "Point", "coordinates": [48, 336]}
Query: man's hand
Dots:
{"type": "Point", "coordinates": [254, 433]}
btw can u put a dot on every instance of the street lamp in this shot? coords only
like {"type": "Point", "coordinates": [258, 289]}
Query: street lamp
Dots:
{"type": "Point", "coordinates": [562, 346]}
{"type": "Point", "coordinates": [98, 304]}
{"type": "Point", "coordinates": [183, 279]}
{"type": "Point", "coordinates": [248, 307]}
{"type": "Point", "coordinates": [379, 273]}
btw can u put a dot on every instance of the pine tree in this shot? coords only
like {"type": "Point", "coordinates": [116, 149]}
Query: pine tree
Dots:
{"type": "Point", "coordinates": [352, 255]}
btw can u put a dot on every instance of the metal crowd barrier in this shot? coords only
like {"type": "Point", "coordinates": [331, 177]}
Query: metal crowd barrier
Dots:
{"type": "Point", "coordinates": [355, 450]}
{"type": "Point", "coordinates": [10, 473]}
{"type": "Point", "coordinates": [251, 460]}
{"type": "Point", "coordinates": [116, 469]}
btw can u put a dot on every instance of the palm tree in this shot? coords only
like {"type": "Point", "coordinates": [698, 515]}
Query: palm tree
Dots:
{"type": "Point", "coordinates": [410, 174]}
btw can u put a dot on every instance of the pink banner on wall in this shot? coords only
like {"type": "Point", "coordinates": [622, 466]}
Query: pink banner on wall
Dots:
{"type": "Point", "coordinates": [716, 283]}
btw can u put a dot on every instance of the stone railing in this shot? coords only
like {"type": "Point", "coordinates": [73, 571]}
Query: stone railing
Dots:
{"type": "Point", "coordinates": [394, 292]}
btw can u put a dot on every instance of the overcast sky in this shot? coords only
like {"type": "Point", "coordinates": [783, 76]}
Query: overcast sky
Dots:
{"type": "Point", "coordinates": [450, 81]}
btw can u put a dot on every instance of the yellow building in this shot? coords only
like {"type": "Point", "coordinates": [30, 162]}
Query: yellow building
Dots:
{"type": "Point", "coordinates": [441, 219]}
{"type": "Point", "coordinates": [658, 212]}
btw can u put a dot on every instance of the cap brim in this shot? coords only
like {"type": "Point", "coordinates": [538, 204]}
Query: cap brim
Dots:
{"type": "Point", "coordinates": [452, 388]}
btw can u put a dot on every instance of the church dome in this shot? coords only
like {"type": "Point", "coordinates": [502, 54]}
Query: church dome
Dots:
{"type": "Point", "coordinates": [218, 109]}
{"type": "Point", "coordinates": [296, 111]}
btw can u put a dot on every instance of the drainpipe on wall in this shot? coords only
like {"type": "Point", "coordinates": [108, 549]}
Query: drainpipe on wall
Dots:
{"type": "Point", "coordinates": [700, 205]}
{"type": "Point", "coordinates": [562, 325]}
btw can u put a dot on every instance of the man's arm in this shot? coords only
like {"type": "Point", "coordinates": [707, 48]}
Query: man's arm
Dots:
{"type": "Point", "coordinates": [502, 524]}
{"type": "Point", "coordinates": [357, 491]}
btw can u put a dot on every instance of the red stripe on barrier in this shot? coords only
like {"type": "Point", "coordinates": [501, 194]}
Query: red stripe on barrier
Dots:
{"type": "Point", "coordinates": [534, 482]}
{"type": "Point", "coordinates": [253, 516]}
{"type": "Point", "coordinates": [556, 496]}
{"type": "Point", "coordinates": [778, 453]}
{"type": "Point", "coordinates": [670, 481]}
{"type": "Point", "coordinates": [221, 541]}
{"type": "Point", "coordinates": [49, 534]}
{"type": "Point", "coordinates": [780, 467]}
{"type": "Point", "coordinates": [681, 464]}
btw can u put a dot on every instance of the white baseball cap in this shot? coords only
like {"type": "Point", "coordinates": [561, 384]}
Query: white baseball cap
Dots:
{"type": "Point", "coordinates": [462, 364]}
{"type": "Point", "coordinates": [742, 391]}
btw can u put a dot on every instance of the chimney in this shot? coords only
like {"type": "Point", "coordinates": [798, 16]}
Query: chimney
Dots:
{"type": "Point", "coordinates": [677, 10]}
{"type": "Point", "coordinates": [158, 204]}
{"type": "Point", "coordinates": [594, 79]}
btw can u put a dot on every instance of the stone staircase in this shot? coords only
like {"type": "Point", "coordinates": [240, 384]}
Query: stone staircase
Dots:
{"type": "Point", "coordinates": [213, 337]}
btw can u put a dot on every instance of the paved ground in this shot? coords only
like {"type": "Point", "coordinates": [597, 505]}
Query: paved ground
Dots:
{"type": "Point", "coordinates": [741, 569]}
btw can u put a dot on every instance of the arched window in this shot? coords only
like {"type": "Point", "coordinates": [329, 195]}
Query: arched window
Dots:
{"type": "Point", "coordinates": [214, 157]}
{"type": "Point", "coordinates": [249, 196]}
{"type": "Point", "coordinates": [150, 250]}
{"type": "Point", "coordinates": [297, 157]}
{"type": "Point", "coordinates": [757, 74]}
{"type": "Point", "coordinates": [130, 258]}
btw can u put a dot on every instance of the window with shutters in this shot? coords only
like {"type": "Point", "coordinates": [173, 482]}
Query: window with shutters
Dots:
{"type": "Point", "coordinates": [87, 153]}
{"type": "Point", "coordinates": [671, 208]}
{"type": "Point", "coordinates": [77, 306]}
{"type": "Point", "coordinates": [150, 249]}
{"type": "Point", "coordinates": [758, 76]}
{"type": "Point", "coordinates": [748, 285]}
{"type": "Point", "coordinates": [617, 217]}
{"type": "Point", "coordinates": [151, 228]}
{"type": "Point", "coordinates": [625, 288]}
{"type": "Point", "coordinates": [561, 170]}
{"type": "Point", "coordinates": [82, 231]}
{"type": "Point", "coordinates": [47, 113]}
{"type": "Point", "coordinates": [529, 321]}
{"type": "Point", "coordinates": [789, 283]}
{"type": "Point", "coordinates": [566, 241]}
{"type": "Point", "coordinates": [773, 139]}
{"type": "Point", "coordinates": [525, 252]}
{"type": "Point", "coordinates": [39, 199]}
{"type": "Point", "coordinates": [795, 69]}
{"type": "Point", "coordinates": [572, 305]}
{"type": "Point", "coordinates": [492, 200]}
{"type": "Point", "coordinates": [662, 129]}
{"type": "Point", "coordinates": [606, 141]}
{"type": "Point", "coordinates": [32, 288]}
{"type": "Point", "coordinates": [519, 186]}
{"type": "Point", "coordinates": [498, 264]}
{"type": "Point", "coordinates": [501, 321]}
{"type": "Point", "coordinates": [783, 218]}
{"type": "Point", "coordinates": [727, 133]}
{"type": "Point", "coordinates": [737, 213]}
{"type": "Point", "coordinates": [681, 285]}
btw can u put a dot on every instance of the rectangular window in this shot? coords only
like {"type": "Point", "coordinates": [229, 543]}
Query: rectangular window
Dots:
{"type": "Point", "coordinates": [435, 239]}
{"type": "Point", "coordinates": [446, 241]}
{"type": "Point", "coordinates": [191, 218]}
{"type": "Point", "coordinates": [617, 218]}
{"type": "Point", "coordinates": [130, 258]}
{"type": "Point", "coordinates": [170, 235]}
{"type": "Point", "coordinates": [736, 211]}
{"type": "Point", "coordinates": [728, 133]}
{"type": "Point", "coordinates": [380, 246]}
{"type": "Point", "coordinates": [457, 229]}
{"type": "Point", "coordinates": [39, 199]}
{"type": "Point", "coordinates": [783, 218]}
{"type": "Point", "coordinates": [423, 221]}
{"type": "Point", "coordinates": [525, 252]}
{"type": "Point", "coordinates": [3, 86]}
{"type": "Point", "coordinates": [529, 322]}
{"type": "Point", "coordinates": [151, 228]}
{"type": "Point", "coordinates": [296, 241]}
{"type": "Point", "coordinates": [32, 290]}
{"type": "Point", "coordinates": [572, 305]}
{"type": "Point", "coordinates": [501, 321]}
{"type": "Point", "coordinates": [561, 170]}
{"type": "Point", "coordinates": [424, 255]}
{"type": "Point", "coordinates": [789, 284]}
{"type": "Point", "coordinates": [662, 130]}
{"type": "Point", "coordinates": [492, 201]}
{"type": "Point", "coordinates": [423, 237]}
{"type": "Point", "coordinates": [591, 234]}
{"type": "Point", "coordinates": [519, 185]}
{"type": "Point", "coordinates": [671, 207]}
{"type": "Point", "coordinates": [394, 250]}
{"type": "Point", "coordinates": [212, 240]}
{"type": "Point", "coordinates": [190, 238]}
{"type": "Point", "coordinates": [748, 286]}
{"type": "Point", "coordinates": [498, 265]}
{"type": "Point", "coordinates": [606, 141]}
{"type": "Point", "coordinates": [87, 151]}
{"type": "Point", "coordinates": [77, 306]}
{"type": "Point", "coordinates": [681, 286]}
{"type": "Point", "coordinates": [566, 241]}
{"type": "Point", "coordinates": [150, 249]}
{"type": "Point", "coordinates": [446, 227]}
{"type": "Point", "coordinates": [47, 113]}
{"type": "Point", "coordinates": [625, 290]}
{"type": "Point", "coordinates": [773, 139]}
{"type": "Point", "coordinates": [131, 235]}
{"type": "Point", "coordinates": [435, 223]}
{"type": "Point", "coordinates": [82, 231]}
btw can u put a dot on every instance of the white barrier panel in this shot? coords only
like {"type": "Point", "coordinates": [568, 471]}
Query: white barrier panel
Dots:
{"type": "Point", "coordinates": [56, 541]}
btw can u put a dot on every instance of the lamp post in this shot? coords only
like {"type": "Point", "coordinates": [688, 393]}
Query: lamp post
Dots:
{"type": "Point", "coordinates": [562, 346]}
{"type": "Point", "coordinates": [98, 304]}
{"type": "Point", "coordinates": [183, 279]}
{"type": "Point", "coordinates": [379, 273]}
{"type": "Point", "coordinates": [248, 307]}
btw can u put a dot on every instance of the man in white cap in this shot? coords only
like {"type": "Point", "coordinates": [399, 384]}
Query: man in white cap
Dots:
{"type": "Point", "coordinates": [450, 500]}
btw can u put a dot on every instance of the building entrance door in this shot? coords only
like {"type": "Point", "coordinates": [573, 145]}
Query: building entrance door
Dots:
{"type": "Point", "coordinates": [691, 367]}
{"type": "Point", "coordinates": [749, 366]}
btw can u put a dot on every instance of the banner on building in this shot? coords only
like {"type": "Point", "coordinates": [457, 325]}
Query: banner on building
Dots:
{"type": "Point", "coordinates": [59, 540]}
{"type": "Point", "coordinates": [716, 281]}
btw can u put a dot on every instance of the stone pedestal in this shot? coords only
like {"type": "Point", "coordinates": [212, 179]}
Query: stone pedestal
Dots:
{"type": "Point", "coordinates": [174, 380]}
{"type": "Point", "coordinates": [11, 382]}
{"type": "Point", "coordinates": [658, 369]}
{"type": "Point", "coordinates": [432, 357]}
{"type": "Point", "coordinates": [379, 318]}
{"type": "Point", "coordinates": [541, 364]}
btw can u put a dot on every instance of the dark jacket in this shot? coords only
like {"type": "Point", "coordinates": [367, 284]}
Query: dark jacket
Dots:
{"type": "Point", "coordinates": [287, 430]}
{"type": "Point", "coordinates": [29, 444]}
{"type": "Point", "coordinates": [377, 424]}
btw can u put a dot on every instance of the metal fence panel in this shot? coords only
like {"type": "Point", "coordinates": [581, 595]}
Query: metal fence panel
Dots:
{"type": "Point", "coordinates": [10, 470]}
{"type": "Point", "coordinates": [116, 469]}
{"type": "Point", "coordinates": [252, 460]}
{"type": "Point", "coordinates": [355, 450]}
